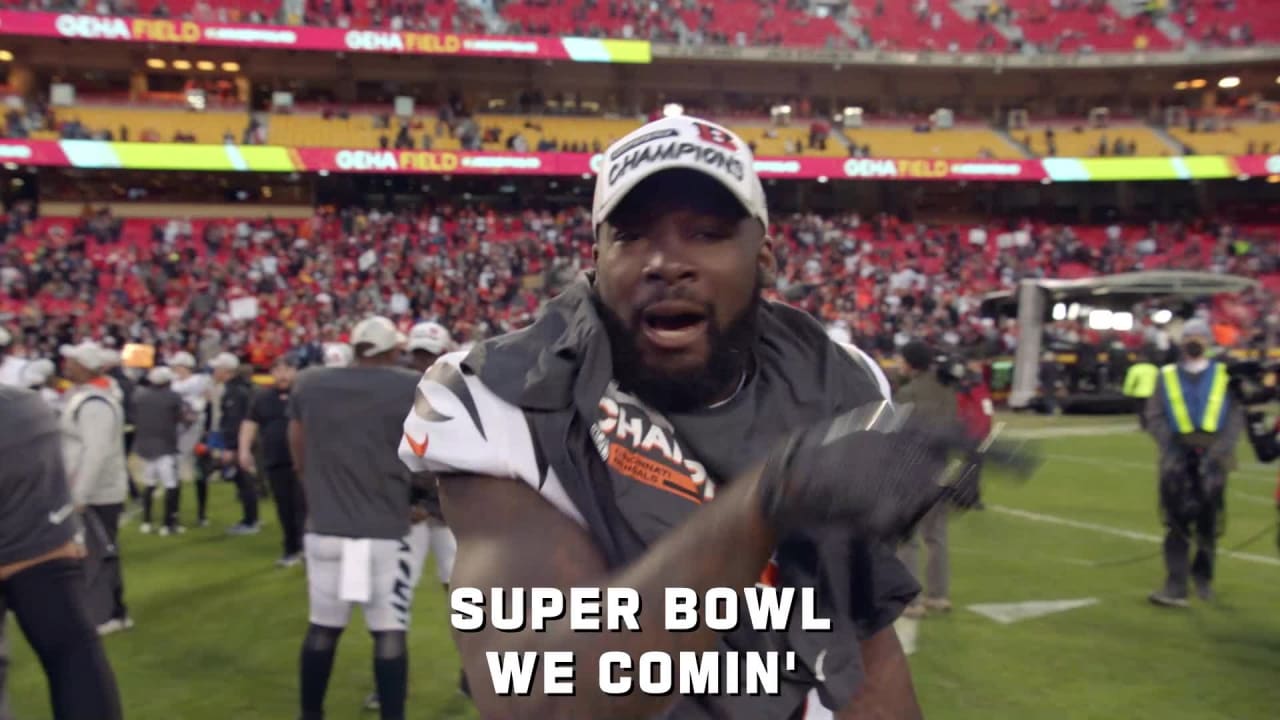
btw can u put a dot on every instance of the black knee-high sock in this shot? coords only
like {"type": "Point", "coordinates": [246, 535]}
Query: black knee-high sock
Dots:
{"type": "Point", "coordinates": [171, 498]}
{"type": "Point", "coordinates": [147, 494]}
{"type": "Point", "coordinates": [315, 666]}
{"type": "Point", "coordinates": [202, 496]}
{"type": "Point", "coordinates": [391, 673]}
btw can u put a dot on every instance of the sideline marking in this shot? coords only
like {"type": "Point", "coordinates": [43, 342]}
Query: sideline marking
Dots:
{"type": "Point", "coordinates": [1008, 613]}
{"type": "Point", "coordinates": [1119, 532]}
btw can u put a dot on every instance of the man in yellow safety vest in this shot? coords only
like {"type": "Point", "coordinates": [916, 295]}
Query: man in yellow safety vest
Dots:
{"type": "Point", "coordinates": [1195, 424]}
{"type": "Point", "coordinates": [1140, 384]}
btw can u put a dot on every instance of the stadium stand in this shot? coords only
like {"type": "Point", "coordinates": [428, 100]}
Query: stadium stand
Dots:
{"type": "Point", "coordinates": [1068, 26]}
{"type": "Point", "coordinates": [1241, 138]}
{"type": "Point", "coordinates": [961, 142]}
{"type": "Point", "coordinates": [486, 271]}
{"type": "Point", "coordinates": [1073, 140]}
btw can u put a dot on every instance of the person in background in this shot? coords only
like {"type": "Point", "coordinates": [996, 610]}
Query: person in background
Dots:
{"type": "Point", "coordinates": [1196, 424]}
{"type": "Point", "coordinates": [194, 459]}
{"type": "Point", "coordinates": [929, 396]}
{"type": "Point", "coordinates": [268, 423]}
{"type": "Point", "coordinates": [1140, 384]}
{"type": "Point", "coordinates": [159, 414]}
{"type": "Point", "coordinates": [40, 375]}
{"type": "Point", "coordinates": [338, 355]}
{"type": "Point", "coordinates": [344, 428]}
{"type": "Point", "coordinates": [92, 426]}
{"type": "Point", "coordinates": [10, 365]}
{"type": "Point", "coordinates": [232, 392]}
{"type": "Point", "coordinates": [42, 576]}
{"type": "Point", "coordinates": [973, 403]}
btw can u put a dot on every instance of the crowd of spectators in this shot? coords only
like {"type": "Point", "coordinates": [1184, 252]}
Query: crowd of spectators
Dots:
{"type": "Point", "coordinates": [984, 25]}
{"type": "Point", "coordinates": [260, 287]}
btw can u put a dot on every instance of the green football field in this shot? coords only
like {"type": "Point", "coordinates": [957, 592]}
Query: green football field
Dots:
{"type": "Point", "coordinates": [218, 626]}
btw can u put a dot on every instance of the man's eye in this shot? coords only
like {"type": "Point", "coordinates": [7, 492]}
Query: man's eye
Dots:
{"type": "Point", "coordinates": [624, 236]}
{"type": "Point", "coordinates": [712, 234]}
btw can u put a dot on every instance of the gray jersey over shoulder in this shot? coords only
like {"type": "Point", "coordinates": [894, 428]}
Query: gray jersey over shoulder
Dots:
{"type": "Point", "coordinates": [35, 504]}
{"type": "Point", "coordinates": [353, 418]}
{"type": "Point", "coordinates": [157, 415]}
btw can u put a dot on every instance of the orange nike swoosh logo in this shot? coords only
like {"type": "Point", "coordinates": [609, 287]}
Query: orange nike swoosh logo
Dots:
{"type": "Point", "coordinates": [418, 448]}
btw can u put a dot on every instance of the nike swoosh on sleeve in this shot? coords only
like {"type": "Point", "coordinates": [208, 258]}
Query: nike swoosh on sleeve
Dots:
{"type": "Point", "coordinates": [418, 448]}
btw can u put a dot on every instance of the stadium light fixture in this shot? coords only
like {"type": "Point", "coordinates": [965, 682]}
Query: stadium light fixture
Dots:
{"type": "Point", "coordinates": [1073, 311]}
{"type": "Point", "coordinates": [1197, 83]}
{"type": "Point", "coordinates": [1229, 82]}
{"type": "Point", "coordinates": [1162, 317]}
{"type": "Point", "coordinates": [672, 110]}
{"type": "Point", "coordinates": [156, 64]}
{"type": "Point", "coordinates": [1181, 85]}
{"type": "Point", "coordinates": [1122, 321]}
{"type": "Point", "coordinates": [205, 65]}
{"type": "Point", "coordinates": [1273, 179]}
{"type": "Point", "coordinates": [230, 67]}
{"type": "Point", "coordinates": [822, 179]}
{"type": "Point", "coordinates": [181, 64]}
{"type": "Point", "coordinates": [6, 56]}
{"type": "Point", "coordinates": [1102, 320]}
{"type": "Point", "coordinates": [1060, 311]}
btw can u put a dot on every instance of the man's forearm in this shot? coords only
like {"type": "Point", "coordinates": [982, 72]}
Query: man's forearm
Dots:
{"type": "Point", "coordinates": [725, 543]}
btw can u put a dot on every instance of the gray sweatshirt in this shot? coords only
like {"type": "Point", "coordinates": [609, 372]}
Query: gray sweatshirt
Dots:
{"type": "Point", "coordinates": [93, 446]}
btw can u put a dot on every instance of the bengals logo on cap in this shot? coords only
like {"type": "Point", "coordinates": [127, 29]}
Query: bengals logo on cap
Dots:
{"type": "Point", "coordinates": [716, 135]}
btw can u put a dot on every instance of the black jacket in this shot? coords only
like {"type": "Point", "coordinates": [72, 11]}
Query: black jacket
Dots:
{"type": "Point", "coordinates": [235, 408]}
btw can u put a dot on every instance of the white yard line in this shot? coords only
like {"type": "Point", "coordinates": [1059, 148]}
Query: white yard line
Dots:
{"type": "Point", "coordinates": [1253, 471]}
{"type": "Point", "coordinates": [1118, 532]}
{"type": "Point", "coordinates": [1049, 433]}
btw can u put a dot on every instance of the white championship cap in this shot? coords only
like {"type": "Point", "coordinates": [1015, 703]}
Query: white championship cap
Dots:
{"type": "Point", "coordinates": [160, 375]}
{"type": "Point", "coordinates": [87, 353]}
{"type": "Point", "coordinates": [431, 337]}
{"type": "Point", "coordinates": [37, 372]}
{"type": "Point", "coordinates": [678, 142]}
{"type": "Point", "coordinates": [378, 333]}
{"type": "Point", "coordinates": [224, 361]}
{"type": "Point", "coordinates": [183, 359]}
{"type": "Point", "coordinates": [338, 355]}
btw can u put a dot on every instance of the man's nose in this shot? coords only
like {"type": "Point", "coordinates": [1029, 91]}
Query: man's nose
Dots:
{"type": "Point", "coordinates": [668, 259]}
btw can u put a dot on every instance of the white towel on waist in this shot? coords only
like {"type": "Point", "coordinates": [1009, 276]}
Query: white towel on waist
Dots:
{"type": "Point", "coordinates": [357, 570]}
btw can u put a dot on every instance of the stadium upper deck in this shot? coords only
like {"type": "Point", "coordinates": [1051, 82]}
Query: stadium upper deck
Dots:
{"type": "Point", "coordinates": [1030, 26]}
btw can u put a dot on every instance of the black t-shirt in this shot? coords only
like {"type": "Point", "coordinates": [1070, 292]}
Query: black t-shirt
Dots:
{"type": "Point", "coordinates": [269, 409]}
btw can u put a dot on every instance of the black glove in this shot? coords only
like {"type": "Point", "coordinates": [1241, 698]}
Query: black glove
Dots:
{"type": "Point", "coordinates": [876, 470]}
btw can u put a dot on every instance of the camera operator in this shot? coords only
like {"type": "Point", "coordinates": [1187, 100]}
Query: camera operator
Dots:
{"type": "Point", "coordinates": [925, 389]}
{"type": "Point", "coordinates": [1250, 388]}
{"type": "Point", "coordinates": [1195, 422]}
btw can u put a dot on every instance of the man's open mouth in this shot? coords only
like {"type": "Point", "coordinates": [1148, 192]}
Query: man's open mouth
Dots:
{"type": "Point", "coordinates": [674, 324]}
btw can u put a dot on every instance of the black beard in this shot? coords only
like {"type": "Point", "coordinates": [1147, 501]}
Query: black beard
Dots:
{"type": "Point", "coordinates": [683, 392]}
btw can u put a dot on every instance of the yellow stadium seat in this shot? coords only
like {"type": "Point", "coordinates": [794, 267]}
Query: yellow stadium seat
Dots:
{"type": "Point", "coordinates": [1264, 137]}
{"type": "Point", "coordinates": [207, 127]}
{"type": "Point", "coordinates": [953, 143]}
{"type": "Point", "coordinates": [357, 131]}
{"type": "Point", "coordinates": [587, 131]}
{"type": "Point", "coordinates": [1085, 142]}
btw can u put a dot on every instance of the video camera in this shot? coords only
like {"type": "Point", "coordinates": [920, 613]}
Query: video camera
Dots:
{"type": "Point", "coordinates": [1250, 387]}
{"type": "Point", "coordinates": [1249, 382]}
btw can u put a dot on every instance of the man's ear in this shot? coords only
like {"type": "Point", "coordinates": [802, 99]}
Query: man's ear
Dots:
{"type": "Point", "coordinates": [767, 262]}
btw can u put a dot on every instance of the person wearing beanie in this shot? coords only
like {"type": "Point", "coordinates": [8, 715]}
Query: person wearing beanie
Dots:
{"type": "Point", "coordinates": [1195, 423]}
{"type": "Point", "coordinates": [928, 395]}
{"type": "Point", "coordinates": [159, 414]}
